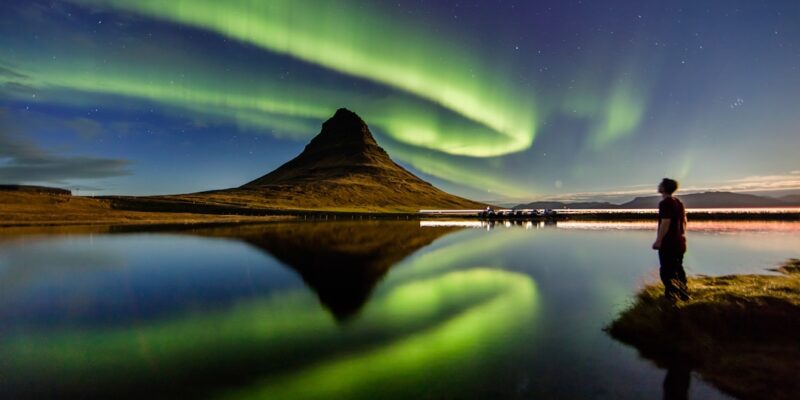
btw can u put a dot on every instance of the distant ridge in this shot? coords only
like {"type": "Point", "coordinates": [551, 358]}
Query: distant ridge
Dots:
{"type": "Point", "coordinates": [793, 199]}
{"type": "Point", "coordinates": [693, 200]}
{"type": "Point", "coordinates": [710, 200]}
{"type": "Point", "coordinates": [34, 189]}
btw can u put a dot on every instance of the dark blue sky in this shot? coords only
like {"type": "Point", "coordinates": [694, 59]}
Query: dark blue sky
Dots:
{"type": "Point", "coordinates": [488, 99]}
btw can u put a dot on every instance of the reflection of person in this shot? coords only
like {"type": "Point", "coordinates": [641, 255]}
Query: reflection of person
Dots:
{"type": "Point", "coordinates": [671, 241]}
{"type": "Point", "coordinates": [677, 381]}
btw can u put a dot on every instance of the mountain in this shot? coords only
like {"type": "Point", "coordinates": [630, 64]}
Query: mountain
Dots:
{"type": "Point", "coordinates": [792, 200]}
{"type": "Point", "coordinates": [344, 148]}
{"type": "Point", "coordinates": [694, 200]}
{"type": "Point", "coordinates": [710, 200]}
{"type": "Point", "coordinates": [342, 169]}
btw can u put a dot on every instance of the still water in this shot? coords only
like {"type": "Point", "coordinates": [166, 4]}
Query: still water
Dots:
{"type": "Point", "coordinates": [346, 309]}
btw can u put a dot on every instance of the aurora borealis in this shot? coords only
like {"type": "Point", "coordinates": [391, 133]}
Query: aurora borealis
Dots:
{"type": "Point", "coordinates": [491, 100]}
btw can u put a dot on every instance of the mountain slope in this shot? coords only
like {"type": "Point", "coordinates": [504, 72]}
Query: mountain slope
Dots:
{"type": "Point", "coordinates": [792, 199]}
{"type": "Point", "coordinates": [345, 147]}
{"type": "Point", "coordinates": [342, 169]}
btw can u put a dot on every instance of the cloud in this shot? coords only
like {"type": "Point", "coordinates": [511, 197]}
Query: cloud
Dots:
{"type": "Point", "coordinates": [22, 161]}
{"type": "Point", "coordinates": [758, 183]}
{"type": "Point", "coordinates": [56, 169]}
{"type": "Point", "coordinates": [750, 184]}
{"type": "Point", "coordinates": [85, 128]}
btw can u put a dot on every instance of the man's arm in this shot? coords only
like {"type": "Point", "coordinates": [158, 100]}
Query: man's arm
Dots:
{"type": "Point", "coordinates": [663, 228]}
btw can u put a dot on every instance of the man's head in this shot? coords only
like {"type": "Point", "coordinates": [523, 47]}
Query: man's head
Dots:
{"type": "Point", "coordinates": [667, 186]}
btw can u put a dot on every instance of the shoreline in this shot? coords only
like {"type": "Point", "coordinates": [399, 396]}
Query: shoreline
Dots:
{"type": "Point", "coordinates": [42, 208]}
{"type": "Point", "coordinates": [739, 332]}
{"type": "Point", "coordinates": [125, 217]}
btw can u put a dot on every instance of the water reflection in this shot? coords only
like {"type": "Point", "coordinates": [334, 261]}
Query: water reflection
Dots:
{"type": "Point", "coordinates": [693, 226]}
{"type": "Point", "coordinates": [677, 381]}
{"type": "Point", "coordinates": [348, 310]}
{"type": "Point", "coordinates": [439, 321]}
{"type": "Point", "coordinates": [488, 225]}
{"type": "Point", "coordinates": [342, 262]}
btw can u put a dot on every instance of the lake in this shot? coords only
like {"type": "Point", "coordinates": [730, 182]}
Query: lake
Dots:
{"type": "Point", "coordinates": [377, 309]}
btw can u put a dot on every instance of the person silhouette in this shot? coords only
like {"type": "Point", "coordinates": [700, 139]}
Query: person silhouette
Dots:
{"type": "Point", "coordinates": [671, 241]}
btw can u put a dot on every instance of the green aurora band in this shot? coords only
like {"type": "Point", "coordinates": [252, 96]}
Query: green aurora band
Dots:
{"type": "Point", "coordinates": [368, 45]}
{"type": "Point", "coordinates": [442, 98]}
{"type": "Point", "coordinates": [185, 81]}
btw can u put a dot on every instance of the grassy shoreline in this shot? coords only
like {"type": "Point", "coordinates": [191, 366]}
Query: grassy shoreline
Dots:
{"type": "Point", "coordinates": [53, 208]}
{"type": "Point", "coordinates": [46, 210]}
{"type": "Point", "coordinates": [741, 333]}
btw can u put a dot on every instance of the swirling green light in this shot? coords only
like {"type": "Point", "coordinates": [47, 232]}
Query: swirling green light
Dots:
{"type": "Point", "coordinates": [622, 115]}
{"type": "Point", "coordinates": [613, 117]}
{"type": "Point", "coordinates": [372, 46]}
{"type": "Point", "coordinates": [433, 92]}
{"type": "Point", "coordinates": [183, 80]}
{"type": "Point", "coordinates": [443, 166]}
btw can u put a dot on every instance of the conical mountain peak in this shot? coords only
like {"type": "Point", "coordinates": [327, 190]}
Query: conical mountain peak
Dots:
{"type": "Point", "coordinates": [345, 128]}
{"type": "Point", "coordinates": [344, 146]}
{"type": "Point", "coordinates": [343, 167]}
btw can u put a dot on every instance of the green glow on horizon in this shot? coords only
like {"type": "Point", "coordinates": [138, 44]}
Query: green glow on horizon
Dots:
{"type": "Point", "coordinates": [372, 47]}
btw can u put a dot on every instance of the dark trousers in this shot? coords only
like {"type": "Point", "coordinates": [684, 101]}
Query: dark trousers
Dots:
{"type": "Point", "coordinates": [672, 274]}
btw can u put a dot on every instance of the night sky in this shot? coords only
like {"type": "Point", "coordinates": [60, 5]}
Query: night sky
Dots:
{"type": "Point", "coordinates": [486, 99]}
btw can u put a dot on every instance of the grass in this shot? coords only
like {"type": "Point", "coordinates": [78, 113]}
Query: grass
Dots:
{"type": "Point", "coordinates": [351, 194]}
{"type": "Point", "coordinates": [19, 208]}
{"type": "Point", "coordinates": [741, 333]}
{"type": "Point", "coordinates": [349, 198]}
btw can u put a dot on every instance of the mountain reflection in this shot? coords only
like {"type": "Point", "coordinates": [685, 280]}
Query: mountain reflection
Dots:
{"type": "Point", "coordinates": [341, 261]}
{"type": "Point", "coordinates": [442, 319]}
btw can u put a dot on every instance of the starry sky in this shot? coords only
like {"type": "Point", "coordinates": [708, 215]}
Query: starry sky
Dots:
{"type": "Point", "coordinates": [493, 99]}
